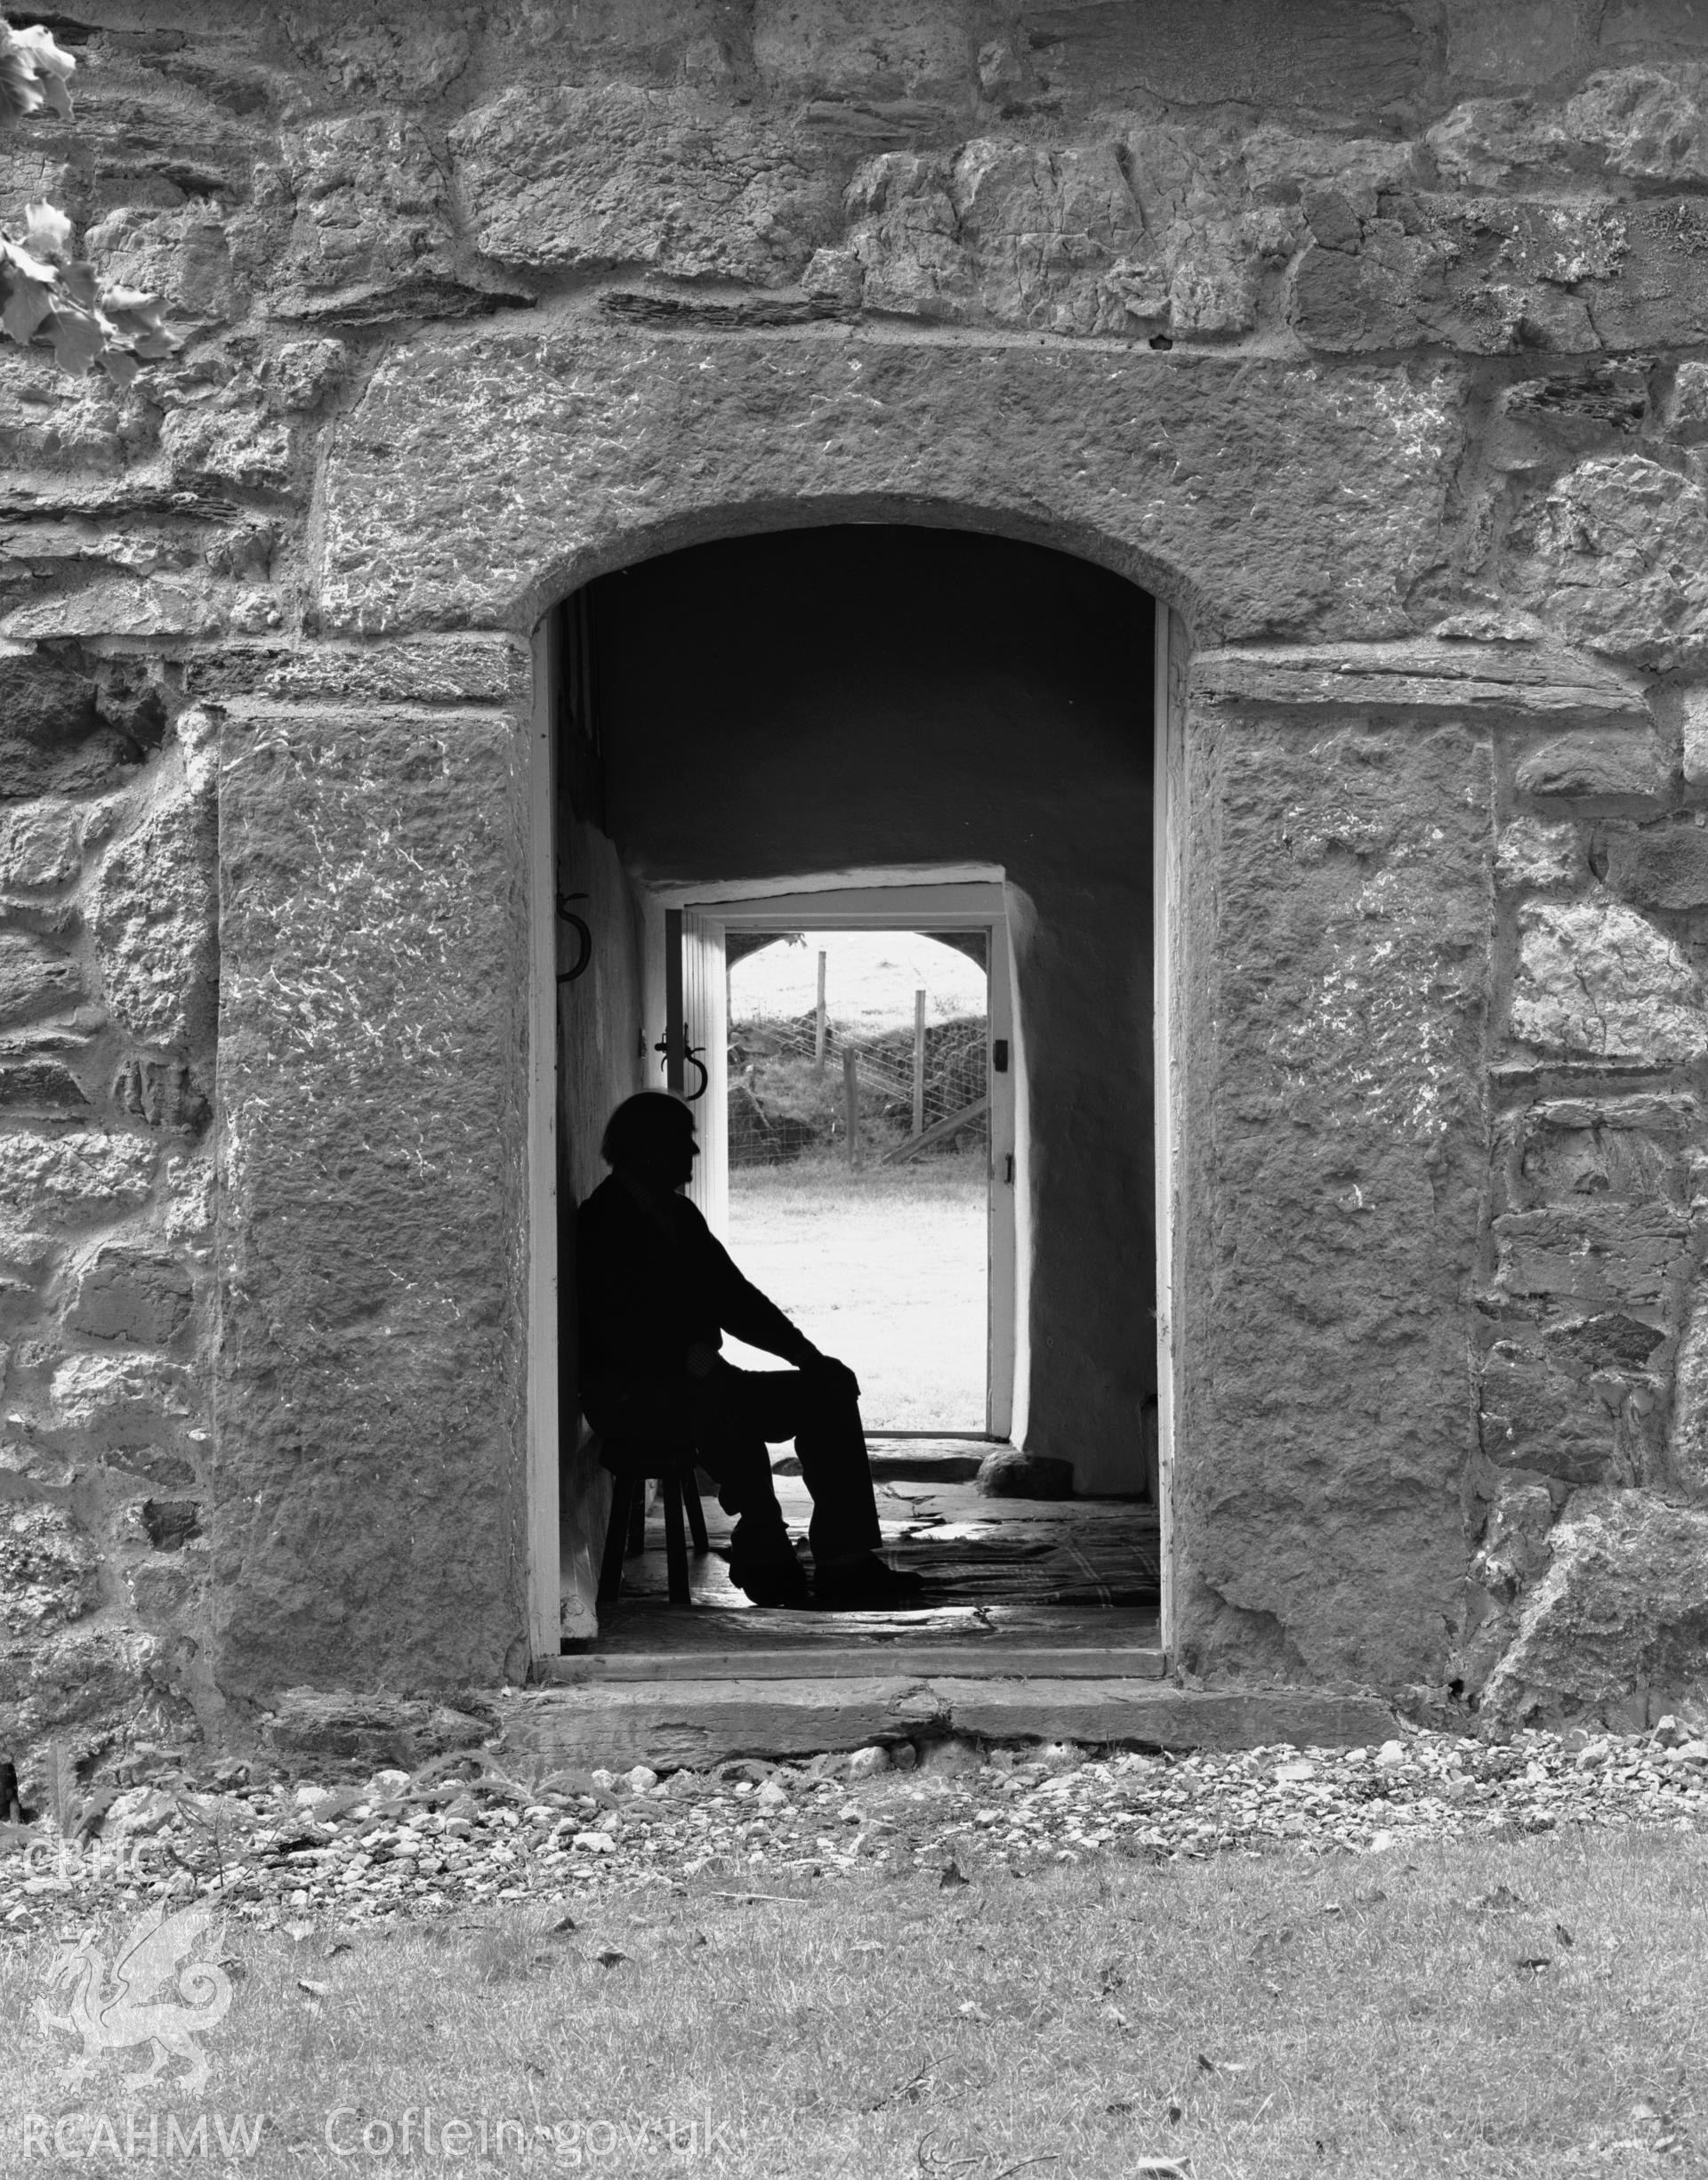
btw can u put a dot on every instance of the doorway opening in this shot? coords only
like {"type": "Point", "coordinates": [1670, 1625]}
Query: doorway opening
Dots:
{"type": "Point", "coordinates": [857, 1141]}
{"type": "Point", "coordinates": [809, 743]}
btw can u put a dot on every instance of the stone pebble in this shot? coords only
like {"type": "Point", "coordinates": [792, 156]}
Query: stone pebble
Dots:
{"type": "Point", "coordinates": [446, 1840]}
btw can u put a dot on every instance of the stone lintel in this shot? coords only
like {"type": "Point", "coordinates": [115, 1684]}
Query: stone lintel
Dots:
{"type": "Point", "coordinates": [698, 1722]}
{"type": "Point", "coordinates": [1481, 679]}
{"type": "Point", "coordinates": [465, 668]}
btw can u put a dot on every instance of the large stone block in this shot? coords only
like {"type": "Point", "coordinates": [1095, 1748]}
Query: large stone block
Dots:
{"type": "Point", "coordinates": [1633, 1255]}
{"type": "Point", "coordinates": [578, 179]}
{"type": "Point", "coordinates": [119, 1401]}
{"type": "Point", "coordinates": [50, 735]}
{"type": "Point", "coordinates": [181, 254]}
{"type": "Point", "coordinates": [90, 1680]}
{"type": "Point", "coordinates": [34, 978]}
{"type": "Point", "coordinates": [1315, 57]}
{"type": "Point", "coordinates": [1515, 1545]}
{"type": "Point", "coordinates": [1597, 765]}
{"type": "Point", "coordinates": [460, 669]}
{"type": "Point", "coordinates": [1533, 1416]}
{"type": "Point", "coordinates": [1616, 1150]}
{"type": "Point", "coordinates": [1622, 1608]}
{"type": "Point", "coordinates": [136, 1294]}
{"type": "Point", "coordinates": [1333, 1042]}
{"type": "Point", "coordinates": [476, 475]}
{"type": "Point", "coordinates": [1687, 1442]}
{"type": "Point", "coordinates": [123, 606]}
{"type": "Point", "coordinates": [73, 1180]}
{"type": "Point", "coordinates": [40, 845]}
{"type": "Point", "coordinates": [1649, 123]}
{"type": "Point", "coordinates": [892, 49]}
{"type": "Point", "coordinates": [1663, 866]}
{"type": "Point", "coordinates": [1594, 979]}
{"type": "Point", "coordinates": [228, 446]}
{"type": "Point", "coordinates": [47, 1088]}
{"type": "Point", "coordinates": [312, 1725]}
{"type": "Point", "coordinates": [1532, 856]}
{"type": "Point", "coordinates": [374, 234]}
{"type": "Point", "coordinates": [49, 1570]}
{"type": "Point", "coordinates": [153, 913]}
{"type": "Point", "coordinates": [1617, 552]}
{"type": "Point", "coordinates": [373, 1219]}
{"type": "Point", "coordinates": [1492, 276]}
{"type": "Point", "coordinates": [1008, 235]}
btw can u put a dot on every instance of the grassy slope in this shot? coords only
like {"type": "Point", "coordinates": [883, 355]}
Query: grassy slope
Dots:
{"type": "Point", "coordinates": [1272, 2018]}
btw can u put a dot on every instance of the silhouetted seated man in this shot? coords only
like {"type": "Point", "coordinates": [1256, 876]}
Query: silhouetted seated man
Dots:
{"type": "Point", "coordinates": [657, 1292]}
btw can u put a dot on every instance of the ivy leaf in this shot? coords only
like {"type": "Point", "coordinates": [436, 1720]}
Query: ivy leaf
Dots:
{"type": "Point", "coordinates": [46, 230]}
{"type": "Point", "coordinates": [27, 301]}
{"type": "Point", "coordinates": [78, 337]}
{"type": "Point", "coordinates": [79, 281]}
{"type": "Point", "coordinates": [34, 72]}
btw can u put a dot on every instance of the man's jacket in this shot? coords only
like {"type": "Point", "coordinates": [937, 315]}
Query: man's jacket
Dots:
{"type": "Point", "coordinates": [652, 1281]}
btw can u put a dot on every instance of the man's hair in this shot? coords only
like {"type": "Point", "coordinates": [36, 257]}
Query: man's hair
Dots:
{"type": "Point", "coordinates": [651, 1120]}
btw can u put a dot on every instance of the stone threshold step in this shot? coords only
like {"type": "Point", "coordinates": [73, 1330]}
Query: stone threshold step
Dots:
{"type": "Point", "coordinates": [672, 1724]}
{"type": "Point", "coordinates": [990, 1657]}
{"type": "Point", "coordinates": [925, 1460]}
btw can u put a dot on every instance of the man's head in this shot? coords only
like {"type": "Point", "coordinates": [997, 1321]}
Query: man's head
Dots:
{"type": "Point", "coordinates": [650, 1138]}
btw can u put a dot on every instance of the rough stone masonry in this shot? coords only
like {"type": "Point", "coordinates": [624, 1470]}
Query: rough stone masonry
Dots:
{"type": "Point", "coordinates": [1373, 338]}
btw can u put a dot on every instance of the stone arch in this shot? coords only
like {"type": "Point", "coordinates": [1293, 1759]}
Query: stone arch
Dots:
{"type": "Point", "coordinates": [721, 522]}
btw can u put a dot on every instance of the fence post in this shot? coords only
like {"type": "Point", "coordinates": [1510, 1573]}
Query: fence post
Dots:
{"type": "Point", "coordinates": [919, 1063]}
{"type": "Point", "coordinates": [851, 1101]}
{"type": "Point", "coordinates": [818, 1025]}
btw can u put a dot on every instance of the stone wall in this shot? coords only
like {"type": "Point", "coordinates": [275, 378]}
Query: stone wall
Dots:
{"type": "Point", "coordinates": [1365, 335]}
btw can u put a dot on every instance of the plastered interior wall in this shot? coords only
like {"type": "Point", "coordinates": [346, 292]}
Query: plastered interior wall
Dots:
{"type": "Point", "coordinates": [860, 697]}
{"type": "Point", "coordinates": [1374, 339]}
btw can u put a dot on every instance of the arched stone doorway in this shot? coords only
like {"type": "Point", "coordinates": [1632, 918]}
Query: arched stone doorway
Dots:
{"type": "Point", "coordinates": [486, 474]}
{"type": "Point", "coordinates": [793, 708]}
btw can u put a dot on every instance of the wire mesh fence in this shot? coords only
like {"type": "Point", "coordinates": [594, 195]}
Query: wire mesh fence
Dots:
{"type": "Point", "coordinates": [783, 1104]}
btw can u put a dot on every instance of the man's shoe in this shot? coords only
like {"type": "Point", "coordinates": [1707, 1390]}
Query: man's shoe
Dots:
{"type": "Point", "coordinates": [867, 1585]}
{"type": "Point", "coordinates": [772, 1581]}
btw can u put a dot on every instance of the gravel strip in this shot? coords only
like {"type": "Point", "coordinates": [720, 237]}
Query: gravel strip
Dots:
{"type": "Point", "coordinates": [460, 1834]}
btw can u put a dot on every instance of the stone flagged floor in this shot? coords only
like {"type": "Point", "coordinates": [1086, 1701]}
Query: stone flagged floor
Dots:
{"type": "Point", "coordinates": [461, 1834]}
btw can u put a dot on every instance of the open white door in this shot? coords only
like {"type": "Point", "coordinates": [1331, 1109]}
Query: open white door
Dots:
{"type": "Point", "coordinates": [1004, 1183]}
{"type": "Point", "coordinates": [695, 998]}
{"type": "Point", "coordinates": [706, 1009]}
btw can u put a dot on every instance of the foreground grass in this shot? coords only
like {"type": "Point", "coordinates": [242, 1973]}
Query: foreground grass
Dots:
{"type": "Point", "coordinates": [1283, 2016]}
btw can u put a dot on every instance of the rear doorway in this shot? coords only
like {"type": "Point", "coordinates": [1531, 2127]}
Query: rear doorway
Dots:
{"type": "Point", "coordinates": [954, 1192]}
{"type": "Point", "coordinates": [858, 1139]}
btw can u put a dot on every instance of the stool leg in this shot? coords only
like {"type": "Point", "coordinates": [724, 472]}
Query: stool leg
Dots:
{"type": "Point", "coordinates": [638, 1518]}
{"type": "Point", "coordinates": [695, 1512]}
{"type": "Point", "coordinates": [616, 1539]}
{"type": "Point", "coordinates": [675, 1543]}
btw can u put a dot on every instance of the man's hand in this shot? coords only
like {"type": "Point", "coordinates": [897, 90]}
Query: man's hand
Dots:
{"type": "Point", "coordinates": [834, 1375]}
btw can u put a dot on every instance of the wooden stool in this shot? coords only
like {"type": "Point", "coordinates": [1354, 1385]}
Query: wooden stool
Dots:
{"type": "Point", "coordinates": [630, 1464]}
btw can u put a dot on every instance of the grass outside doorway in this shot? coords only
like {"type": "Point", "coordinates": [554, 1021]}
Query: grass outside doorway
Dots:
{"type": "Point", "coordinates": [1522, 2008]}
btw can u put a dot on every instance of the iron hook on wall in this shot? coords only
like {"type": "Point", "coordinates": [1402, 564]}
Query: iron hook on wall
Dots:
{"type": "Point", "coordinates": [691, 1057]}
{"type": "Point", "coordinates": [566, 915]}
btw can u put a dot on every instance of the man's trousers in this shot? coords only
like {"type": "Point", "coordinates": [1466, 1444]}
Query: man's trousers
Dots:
{"type": "Point", "coordinates": [731, 1417]}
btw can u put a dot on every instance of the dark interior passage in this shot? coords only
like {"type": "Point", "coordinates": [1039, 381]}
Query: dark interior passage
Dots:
{"type": "Point", "coordinates": [853, 697]}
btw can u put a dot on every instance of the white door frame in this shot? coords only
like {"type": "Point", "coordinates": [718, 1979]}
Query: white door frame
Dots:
{"type": "Point", "coordinates": [1168, 874]}
{"type": "Point", "coordinates": [814, 895]}
{"type": "Point", "coordinates": [544, 1573]}
{"type": "Point", "coordinates": [912, 901]}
